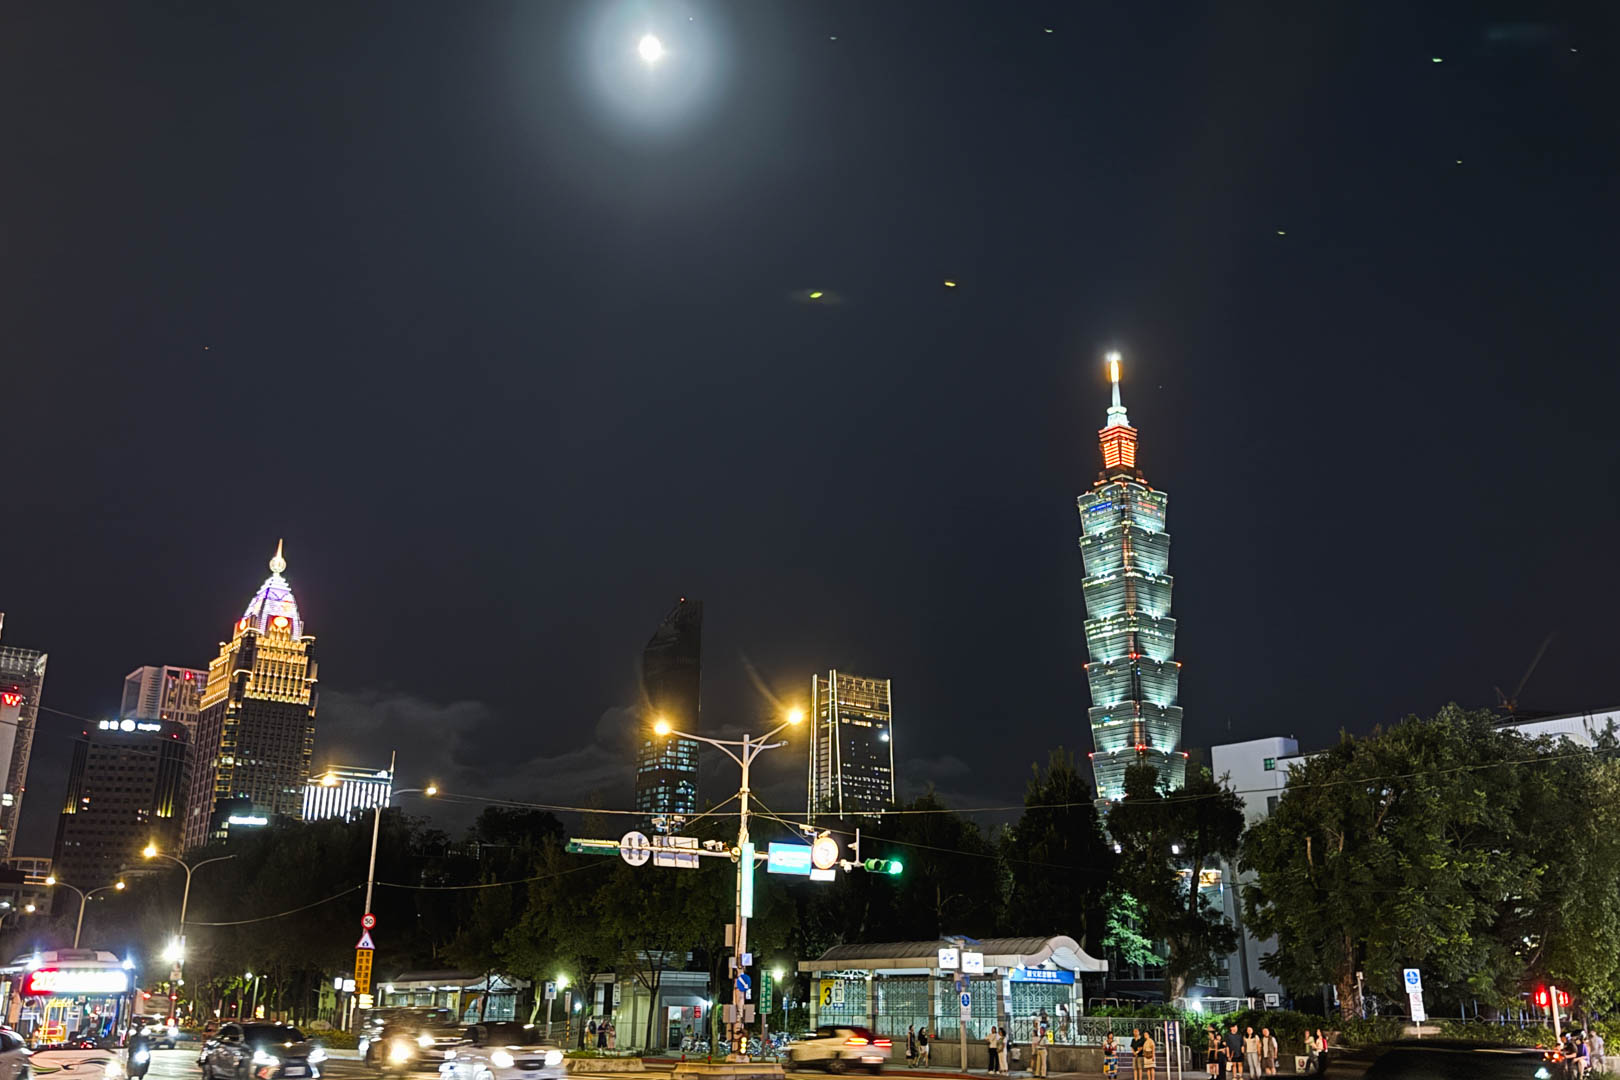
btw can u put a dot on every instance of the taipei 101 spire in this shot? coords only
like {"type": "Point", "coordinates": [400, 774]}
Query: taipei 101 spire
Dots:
{"type": "Point", "coordinates": [1130, 636]}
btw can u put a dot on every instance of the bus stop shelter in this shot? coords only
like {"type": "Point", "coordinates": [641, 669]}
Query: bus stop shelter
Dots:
{"type": "Point", "coordinates": [895, 985]}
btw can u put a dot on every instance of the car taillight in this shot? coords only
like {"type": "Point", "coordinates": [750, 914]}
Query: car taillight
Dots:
{"type": "Point", "coordinates": [881, 1042]}
{"type": "Point", "coordinates": [854, 1040]}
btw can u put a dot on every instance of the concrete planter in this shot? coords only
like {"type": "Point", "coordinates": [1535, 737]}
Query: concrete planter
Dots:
{"type": "Point", "coordinates": [604, 1065]}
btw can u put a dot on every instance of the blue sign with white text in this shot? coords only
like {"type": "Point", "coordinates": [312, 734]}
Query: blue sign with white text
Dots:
{"type": "Point", "coordinates": [788, 859]}
{"type": "Point", "coordinates": [1043, 975]}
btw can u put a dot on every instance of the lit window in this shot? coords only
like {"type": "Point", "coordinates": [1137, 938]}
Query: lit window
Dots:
{"type": "Point", "coordinates": [1271, 763]}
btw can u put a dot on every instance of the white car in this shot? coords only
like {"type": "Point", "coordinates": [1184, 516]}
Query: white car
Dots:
{"type": "Point", "coordinates": [839, 1049]}
{"type": "Point", "coordinates": [503, 1051]}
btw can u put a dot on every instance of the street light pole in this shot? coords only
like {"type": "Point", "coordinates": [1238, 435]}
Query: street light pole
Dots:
{"type": "Point", "coordinates": [84, 897]}
{"type": "Point", "coordinates": [748, 748]}
{"type": "Point", "coordinates": [179, 948]}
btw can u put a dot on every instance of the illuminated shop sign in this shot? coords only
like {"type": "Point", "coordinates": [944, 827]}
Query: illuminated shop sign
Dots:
{"type": "Point", "coordinates": [129, 725]}
{"type": "Point", "coordinates": [247, 819]}
{"type": "Point", "coordinates": [1043, 975]}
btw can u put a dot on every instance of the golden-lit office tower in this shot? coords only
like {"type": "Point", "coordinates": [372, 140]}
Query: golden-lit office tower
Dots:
{"type": "Point", "coordinates": [163, 693]}
{"type": "Point", "coordinates": [256, 732]}
{"type": "Point", "coordinates": [851, 746]}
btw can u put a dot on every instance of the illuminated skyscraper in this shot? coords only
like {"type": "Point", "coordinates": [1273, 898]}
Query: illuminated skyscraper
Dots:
{"type": "Point", "coordinates": [1130, 635]}
{"type": "Point", "coordinates": [22, 681]}
{"type": "Point", "coordinates": [851, 745]}
{"type": "Point", "coordinates": [671, 674]}
{"type": "Point", "coordinates": [343, 791]}
{"type": "Point", "coordinates": [163, 693]}
{"type": "Point", "coordinates": [256, 731]}
{"type": "Point", "coordinates": [126, 788]}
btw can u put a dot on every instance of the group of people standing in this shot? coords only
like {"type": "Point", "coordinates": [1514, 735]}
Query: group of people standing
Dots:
{"type": "Point", "coordinates": [1233, 1056]}
{"type": "Point", "coordinates": [1144, 1055]}
{"type": "Point", "coordinates": [1581, 1052]}
{"type": "Point", "coordinates": [603, 1034]}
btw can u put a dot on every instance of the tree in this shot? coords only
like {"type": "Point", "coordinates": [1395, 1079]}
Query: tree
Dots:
{"type": "Point", "coordinates": [1410, 848]}
{"type": "Point", "coordinates": [1060, 866]}
{"type": "Point", "coordinates": [1123, 935]}
{"type": "Point", "coordinates": [1167, 841]}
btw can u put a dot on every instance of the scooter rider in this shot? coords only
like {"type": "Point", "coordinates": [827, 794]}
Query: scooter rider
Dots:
{"type": "Point", "coordinates": [138, 1053]}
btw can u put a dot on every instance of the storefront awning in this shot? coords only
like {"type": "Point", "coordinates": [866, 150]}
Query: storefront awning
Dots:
{"type": "Point", "coordinates": [922, 957]}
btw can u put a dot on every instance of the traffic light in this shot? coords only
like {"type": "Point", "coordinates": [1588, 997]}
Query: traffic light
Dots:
{"type": "Point", "coordinates": [892, 867]}
{"type": "Point", "coordinates": [1541, 996]}
{"type": "Point", "coordinates": [1563, 997]}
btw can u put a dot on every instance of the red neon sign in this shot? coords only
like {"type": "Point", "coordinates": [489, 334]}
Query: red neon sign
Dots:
{"type": "Point", "coordinates": [11, 700]}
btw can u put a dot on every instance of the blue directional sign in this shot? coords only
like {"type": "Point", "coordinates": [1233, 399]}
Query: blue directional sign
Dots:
{"type": "Point", "coordinates": [744, 983]}
{"type": "Point", "coordinates": [788, 859]}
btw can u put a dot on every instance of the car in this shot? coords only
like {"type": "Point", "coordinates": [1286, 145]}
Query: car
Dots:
{"type": "Point", "coordinates": [503, 1051]}
{"type": "Point", "coordinates": [161, 1033]}
{"type": "Point", "coordinates": [838, 1048]}
{"type": "Point", "coordinates": [14, 1055]}
{"type": "Point", "coordinates": [408, 1042]}
{"type": "Point", "coordinates": [261, 1051]}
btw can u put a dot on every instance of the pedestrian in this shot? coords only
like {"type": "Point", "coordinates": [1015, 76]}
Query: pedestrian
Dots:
{"type": "Point", "coordinates": [992, 1048]}
{"type": "Point", "coordinates": [1212, 1051]}
{"type": "Point", "coordinates": [1583, 1053]}
{"type": "Point", "coordinates": [612, 1034]}
{"type": "Point", "coordinates": [922, 1046]}
{"type": "Point", "coordinates": [1138, 1071]}
{"type": "Point", "coordinates": [1008, 1052]}
{"type": "Point", "coordinates": [1321, 1050]}
{"type": "Point", "coordinates": [1223, 1053]}
{"type": "Point", "coordinates": [1251, 1051]}
{"type": "Point", "coordinates": [1268, 1051]}
{"type": "Point", "coordinates": [1037, 1046]}
{"type": "Point", "coordinates": [1063, 1022]}
{"type": "Point", "coordinates": [911, 1045]}
{"type": "Point", "coordinates": [1150, 1054]}
{"type": "Point", "coordinates": [1234, 1053]}
{"type": "Point", "coordinates": [1598, 1063]}
{"type": "Point", "coordinates": [601, 1035]}
{"type": "Point", "coordinates": [1110, 1056]}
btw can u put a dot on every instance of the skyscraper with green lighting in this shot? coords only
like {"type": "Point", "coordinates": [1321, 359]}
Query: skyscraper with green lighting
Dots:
{"type": "Point", "coordinates": [1130, 636]}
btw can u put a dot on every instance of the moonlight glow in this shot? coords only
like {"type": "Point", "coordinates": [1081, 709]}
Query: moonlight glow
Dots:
{"type": "Point", "coordinates": [650, 48]}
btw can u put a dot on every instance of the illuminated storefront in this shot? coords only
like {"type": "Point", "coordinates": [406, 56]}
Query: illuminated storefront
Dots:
{"type": "Point", "coordinates": [1130, 636]}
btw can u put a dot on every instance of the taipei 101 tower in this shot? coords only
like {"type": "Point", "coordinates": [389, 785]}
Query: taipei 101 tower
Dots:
{"type": "Point", "coordinates": [1130, 635]}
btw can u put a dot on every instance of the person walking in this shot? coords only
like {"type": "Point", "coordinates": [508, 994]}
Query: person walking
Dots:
{"type": "Point", "coordinates": [1137, 1069]}
{"type": "Point", "coordinates": [1212, 1051]}
{"type": "Point", "coordinates": [1234, 1053]}
{"type": "Point", "coordinates": [1251, 1052]}
{"type": "Point", "coordinates": [1150, 1054]}
{"type": "Point", "coordinates": [922, 1046]}
{"type": "Point", "coordinates": [992, 1049]}
{"type": "Point", "coordinates": [1268, 1052]}
{"type": "Point", "coordinates": [1598, 1062]}
{"type": "Point", "coordinates": [911, 1045]}
{"type": "Point", "coordinates": [1110, 1056]}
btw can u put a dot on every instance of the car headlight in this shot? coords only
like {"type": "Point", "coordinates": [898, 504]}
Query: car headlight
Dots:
{"type": "Point", "coordinates": [553, 1058]}
{"type": "Point", "coordinates": [317, 1055]}
{"type": "Point", "coordinates": [501, 1059]}
{"type": "Point", "coordinates": [264, 1057]}
{"type": "Point", "coordinates": [424, 1041]}
{"type": "Point", "coordinates": [400, 1051]}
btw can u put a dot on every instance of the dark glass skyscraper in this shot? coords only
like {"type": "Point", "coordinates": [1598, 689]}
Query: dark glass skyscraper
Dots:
{"type": "Point", "coordinates": [851, 745]}
{"type": "Point", "coordinates": [126, 788]}
{"type": "Point", "coordinates": [671, 674]}
{"type": "Point", "coordinates": [1130, 635]}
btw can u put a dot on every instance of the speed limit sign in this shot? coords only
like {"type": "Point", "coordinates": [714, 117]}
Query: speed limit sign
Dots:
{"type": "Point", "coordinates": [368, 920]}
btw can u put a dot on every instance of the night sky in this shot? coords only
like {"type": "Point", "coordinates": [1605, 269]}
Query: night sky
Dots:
{"type": "Point", "coordinates": [509, 336]}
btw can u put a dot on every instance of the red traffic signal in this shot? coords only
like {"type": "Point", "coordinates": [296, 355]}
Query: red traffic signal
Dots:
{"type": "Point", "coordinates": [1563, 997]}
{"type": "Point", "coordinates": [1541, 997]}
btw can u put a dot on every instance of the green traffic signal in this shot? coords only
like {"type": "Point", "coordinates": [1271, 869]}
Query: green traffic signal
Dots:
{"type": "Point", "coordinates": [896, 867]}
{"type": "Point", "coordinates": [892, 867]}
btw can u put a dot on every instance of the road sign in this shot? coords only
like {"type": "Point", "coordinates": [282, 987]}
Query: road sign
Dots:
{"type": "Point", "coordinates": [967, 1005]}
{"type": "Point", "coordinates": [1416, 1003]}
{"type": "Point", "coordinates": [824, 853]}
{"type": "Point", "coordinates": [745, 984]}
{"type": "Point", "coordinates": [838, 992]}
{"type": "Point", "coordinates": [973, 962]}
{"type": "Point", "coordinates": [551, 990]}
{"type": "Point", "coordinates": [367, 921]}
{"type": "Point", "coordinates": [364, 1002]}
{"type": "Point", "coordinates": [765, 988]}
{"type": "Point", "coordinates": [365, 941]}
{"type": "Point", "coordinates": [1414, 980]}
{"type": "Point", "coordinates": [787, 859]}
{"type": "Point", "coordinates": [745, 879]}
{"type": "Point", "coordinates": [961, 983]}
{"type": "Point", "coordinates": [635, 848]}
{"type": "Point", "coordinates": [827, 992]}
{"type": "Point", "coordinates": [362, 971]}
{"type": "Point", "coordinates": [949, 959]}
{"type": "Point", "coordinates": [680, 852]}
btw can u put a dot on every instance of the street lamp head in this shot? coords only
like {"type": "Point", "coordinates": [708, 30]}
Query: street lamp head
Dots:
{"type": "Point", "coordinates": [119, 885]}
{"type": "Point", "coordinates": [776, 975]}
{"type": "Point", "coordinates": [431, 790]}
{"type": "Point", "coordinates": [661, 726]}
{"type": "Point", "coordinates": [562, 982]}
{"type": "Point", "coordinates": [150, 851]}
{"type": "Point", "coordinates": [29, 908]}
{"type": "Point", "coordinates": [51, 880]}
{"type": "Point", "coordinates": [650, 48]}
{"type": "Point", "coordinates": [247, 974]}
{"type": "Point", "coordinates": [329, 779]}
{"type": "Point", "coordinates": [795, 715]}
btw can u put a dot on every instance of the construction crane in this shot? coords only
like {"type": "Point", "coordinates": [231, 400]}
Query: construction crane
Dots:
{"type": "Point", "coordinates": [1510, 705]}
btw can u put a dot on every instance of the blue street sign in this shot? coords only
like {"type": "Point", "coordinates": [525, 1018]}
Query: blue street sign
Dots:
{"type": "Point", "coordinates": [788, 859]}
{"type": "Point", "coordinates": [967, 1000]}
{"type": "Point", "coordinates": [744, 983]}
{"type": "Point", "coordinates": [1043, 975]}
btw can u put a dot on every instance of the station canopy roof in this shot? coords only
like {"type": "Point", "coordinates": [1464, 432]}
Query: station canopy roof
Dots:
{"type": "Point", "coordinates": [922, 957]}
